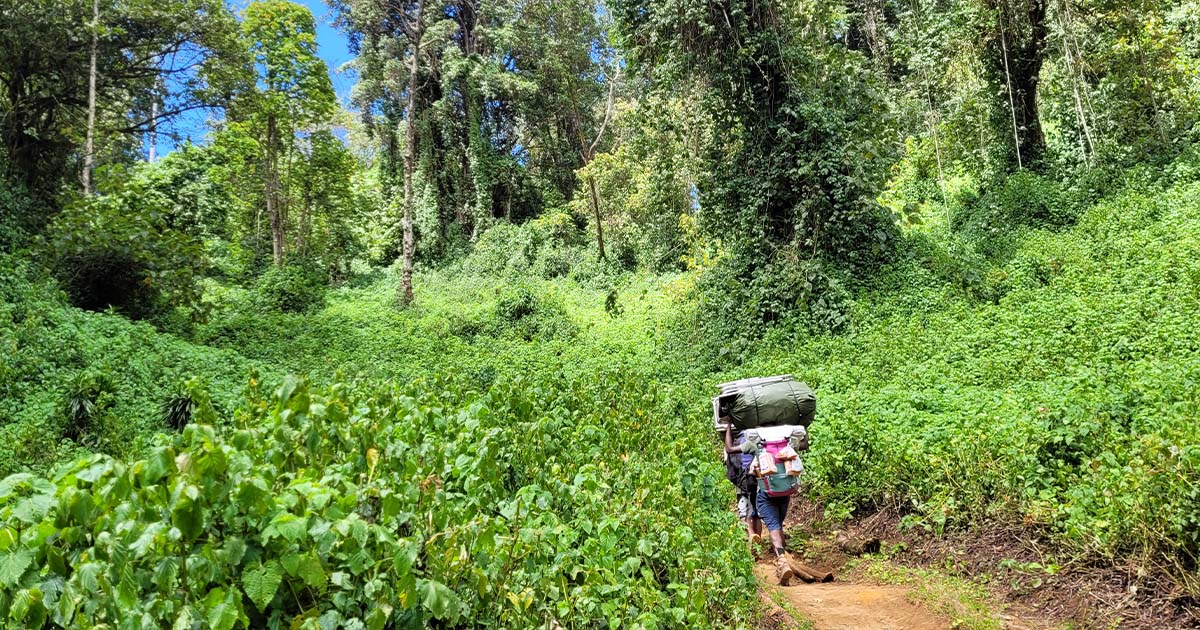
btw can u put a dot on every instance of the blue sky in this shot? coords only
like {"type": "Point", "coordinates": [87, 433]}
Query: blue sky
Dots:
{"type": "Point", "coordinates": [332, 46]}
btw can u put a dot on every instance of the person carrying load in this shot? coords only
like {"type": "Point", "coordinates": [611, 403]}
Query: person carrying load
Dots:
{"type": "Point", "coordinates": [773, 414]}
{"type": "Point", "coordinates": [737, 471]}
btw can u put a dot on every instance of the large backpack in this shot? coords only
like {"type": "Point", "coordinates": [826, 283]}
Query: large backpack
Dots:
{"type": "Point", "coordinates": [772, 404]}
{"type": "Point", "coordinates": [775, 476]}
{"type": "Point", "coordinates": [763, 401]}
{"type": "Point", "coordinates": [777, 464]}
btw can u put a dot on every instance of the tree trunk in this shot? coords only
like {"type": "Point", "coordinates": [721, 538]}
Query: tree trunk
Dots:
{"type": "Point", "coordinates": [305, 232]}
{"type": "Point", "coordinates": [153, 130]}
{"type": "Point", "coordinates": [90, 144]}
{"type": "Point", "coordinates": [410, 166]}
{"type": "Point", "coordinates": [272, 181]}
{"type": "Point", "coordinates": [1022, 40]}
{"type": "Point", "coordinates": [599, 223]}
{"type": "Point", "coordinates": [154, 121]}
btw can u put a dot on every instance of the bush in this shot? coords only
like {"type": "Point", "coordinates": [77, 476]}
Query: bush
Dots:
{"type": "Point", "coordinates": [503, 249]}
{"type": "Point", "coordinates": [549, 247]}
{"type": "Point", "coordinates": [58, 362]}
{"type": "Point", "coordinates": [334, 505]}
{"type": "Point", "coordinates": [18, 213]}
{"type": "Point", "coordinates": [1022, 200]}
{"type": "Point", "coordinates": [738, 306]}
{"type": "Point", "coordinates": [521, 313]}
{"type": "Point", "coordinates": [114, 252]}
{"type": "Point", "coordinates": [89, 396]}
{"type": "Point", "coordinates": [290, 289]}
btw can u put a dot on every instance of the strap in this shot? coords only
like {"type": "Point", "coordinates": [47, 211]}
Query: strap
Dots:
{"type": "Point", "coordinates": [754, 393]}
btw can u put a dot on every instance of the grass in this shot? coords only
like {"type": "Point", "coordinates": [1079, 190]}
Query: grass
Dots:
{"type": "Point", "coordinates": [967, 604]}
{"type": "Point", "coordinates": [796, 620]}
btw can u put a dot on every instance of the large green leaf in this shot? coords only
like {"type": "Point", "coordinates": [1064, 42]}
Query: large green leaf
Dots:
{"type": "Point", "coordinates": [34, 508]}
{"type": "Point", "coordinates": [438, 599]}
{"type": "Point", "coordinates": [222, 609]}
{"type": "Point", "coordinates": [157, 465]}
{"type": "Point", "coordinates": [189, 517]}
{"type": "Point", "coordinates": [312, 571]}
{"type": "Point", "coordinates": [13, 565]}
{"type": "Point", "coordinates": [261, 583]}
{"type": "Point", "coordinates": [307, 567]}
{"type": "Point", "coordinates": [288, 526]}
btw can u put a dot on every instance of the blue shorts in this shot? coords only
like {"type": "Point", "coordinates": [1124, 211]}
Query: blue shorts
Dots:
{"type": "Point", "coordinates": [772, 510]}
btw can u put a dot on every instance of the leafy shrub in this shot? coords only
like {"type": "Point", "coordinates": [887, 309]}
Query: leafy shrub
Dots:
{"type": "Point", "coordinates": [18, 213]}
{"type": "Point", "coordinates": [1022, 200]}
{"type": "Point", "coordinates": [333, 507]}
{"type": "Point", "coordinates": [516, 305]}
{"type": "Point", "coordinates": [190, 401]}
{"type": "Point", "coordinates": [957, 260]}
{"type": "Point", "coordinates": [555, 263]}
{"type": "Point", "coordinates": [290, 289]}
{"type": "Point", "coordinates": [114, 252]}
{"type": "Point", "coordinates": [89, 396]}
{"type": "Point", "coordinates": [502, 249]}
{"type": "Point", "coordinates": [612, 304]}
{"type": "Point", "coordinates": [48, 349]}
{"type": "Point", "coordinates": [738, 306]}
{"type": "Point", "coordinates": [549, 247]}
{"type": "Point", "coordinates": [521, 313]}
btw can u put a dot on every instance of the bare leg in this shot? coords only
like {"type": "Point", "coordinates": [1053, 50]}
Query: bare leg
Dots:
{"type": "Point", "coordinates": [777, 539]}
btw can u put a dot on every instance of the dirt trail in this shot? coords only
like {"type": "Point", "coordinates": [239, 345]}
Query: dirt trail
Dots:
{"type": "Point", "coordinates": [851, 606]}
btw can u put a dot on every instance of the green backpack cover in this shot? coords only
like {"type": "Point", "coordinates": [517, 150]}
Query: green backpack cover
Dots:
{"type": "Point", "coordinates": [770, 404]}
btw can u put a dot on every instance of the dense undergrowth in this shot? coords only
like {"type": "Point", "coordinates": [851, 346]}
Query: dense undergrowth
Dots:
{"type": "Point", "coordinates": [1056, 388]}
{"type": "Point", "coordinates": [564, 469]}
{"type": "Point", "coordinates": [388, 507]}
{"type": "Point", "coordinates": [73, 381]}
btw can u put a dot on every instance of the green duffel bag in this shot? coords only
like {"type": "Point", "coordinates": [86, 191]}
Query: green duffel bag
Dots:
{"type": "Point", "coordinates": [770, 404]}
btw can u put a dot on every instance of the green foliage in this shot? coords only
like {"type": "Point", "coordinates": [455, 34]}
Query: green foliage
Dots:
{"type": "Point", "coordinates": [19, 213]}
{"type": "Point", "coordinates": [358, 518]}
{"type": "Point", "coordinates": [190, 401]}
{"type": "Point", "coordinates": [1025, 199]}
{"type": "Point", "coordinates": [737, 305]}
{"type": "Point", "coordinates": [118, 251]}
{"type": "Point", "coordinates": [642, 184]}
{"type": "Point", "coordinates": [183, 185]}
{"type": "Point", "coordinates": [95, 376]}
{"type": "Point", "coordinates": [550, 246]}
{"type": "Point", "coordinates": [294, 81]}
{"type": "Point", "coordinates": [1048, 398]}
{"type": "Point", "coordinates": [290, 289]}
{"type": "Point", "coordinates": [88, 397]}
{"type": "Point", "coordinates": [522, 313]}
{"type": "Point", "coordinates": [791, 162]}
{"type": "Point", "coordinates": [43, 111]}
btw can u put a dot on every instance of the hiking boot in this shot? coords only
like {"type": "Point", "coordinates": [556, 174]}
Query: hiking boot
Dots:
{"type": "Point", "coordinates": [783, 570]}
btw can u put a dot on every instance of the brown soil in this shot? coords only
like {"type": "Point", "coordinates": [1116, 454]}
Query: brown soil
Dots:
{"type": "Point", "coordinates": [850, 606]}
{"type": "Point", "coordinates": [1076, 594]}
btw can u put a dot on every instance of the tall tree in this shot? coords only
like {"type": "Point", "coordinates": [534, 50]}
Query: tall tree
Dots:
{"type": "Point", "coordinates": [48, 88]}
{"type": "Point", "coordinates": [294, 91]}
{"type": "Point", "coordinates": [798, 124]}
{"type": "Point", "coordinates": [1015, 50]}
{"type": "Point", "coordinates": [413, 26]}
{"type": "Point", "coordinates": [383, 33]}
{"type": "Point", "coordinates": [89, 146]}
